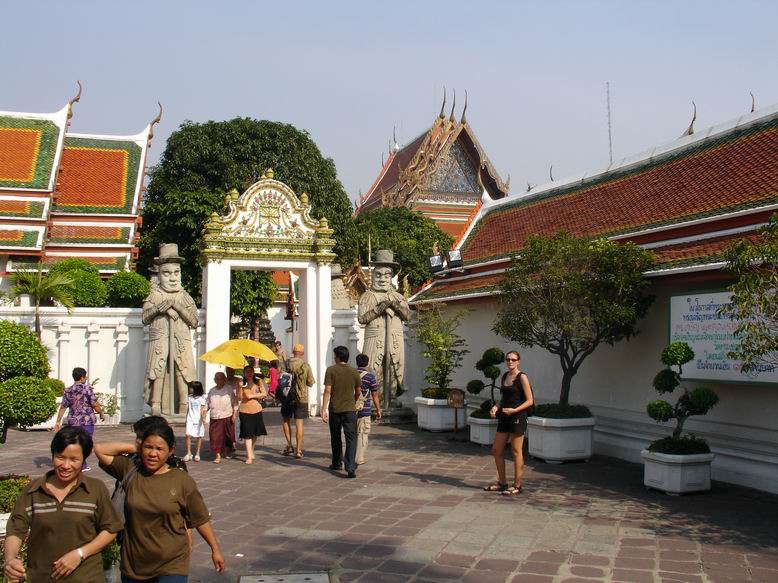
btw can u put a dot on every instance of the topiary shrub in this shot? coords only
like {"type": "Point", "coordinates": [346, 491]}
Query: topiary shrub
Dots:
{"type": "Point", "coordinates": [127, 289]}
{"type": "Point", "coordinates": [21, 353]}
{"type": "Point", "coordinates": [489, 366]}
{"type": "Point", "coordinates": [697, 401]}
{"type": "Point", "coordinates": [24, 401]}
{"type": "Point", "coordinates": [483, 411]}
{"type": "Point", "coordinates": [57, 386]}
{"type": "Point", "coordinates": [11, 487]}
{"type": "Point", "coordinates": [88, 290]}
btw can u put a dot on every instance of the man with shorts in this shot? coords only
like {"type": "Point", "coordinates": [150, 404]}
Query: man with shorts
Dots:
{"type": "Point", "coordinates": [296, 404]}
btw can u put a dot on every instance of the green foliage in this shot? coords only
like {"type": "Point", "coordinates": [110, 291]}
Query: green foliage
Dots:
{"type": "Point", "coordinates": [686, 445]}
{"type": "Point", "coordinates": [666, 380]}
{"type": "Point", "coordinates": [203, 161]}
{"type": "Point", "coordinates": [251, 295]}
{"type": "Point", "coordinates": [109, 404]}
{"type": "Point", "coordinates": [127, 289]}
{"type": "Point", "coordinates": [11, 488]}
{"type": "Point", "coordinates": [698, 401]}
{"type": "Point", "coordinates": [677, 354]}
{"type": "Point", "coordinates": [660, 411]}
{"type": "Point", "coordinates": [492, 356]}
{"type": "Point", "coordinates": [21, 353]}
{"type": "Point", "coordinates": [24, 401]}
{"type": "Point", "coordinates": [557, 411]}
{"type": "Point", "coordinates": [754, 303]}
{"type": "Point", "coordinates": [484, 410]}
{"type": "Point", "coordinates": [435, 393]}
{"type": "Point", "coordinates": [88, 290]}
{"type": "Point", "coordinates": [409, 234]}
{"type": "Point", "coordinates": [488, 366]}
{"type": "Point", "coordinates": [492, 372]}
{"type": "Point", "coordinates": [43, 288]}
{"type": "Point", "coordinates": [444, 348]}
{"type": "Point", "coordinates": [111, 555]}
{"type": "Point", "coordinates": [55, 385]}
{"type": "Point", "coordinates": [569, 294]}
{"type": "Point", "coordinates": [475, 387]}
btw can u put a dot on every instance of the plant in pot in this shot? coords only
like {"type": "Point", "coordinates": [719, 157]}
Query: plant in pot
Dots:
{"type": "Point", "coordinates": [678, 464]}
{"type": "Point", "coordinates": [444, 350]}
{"type": "Point", "coordinates": [482, 427]}
{"type": "Point", "coordinates": [568, 295]}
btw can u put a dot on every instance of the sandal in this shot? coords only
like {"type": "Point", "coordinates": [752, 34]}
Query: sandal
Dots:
{"type": "Point", "coordinates": [496, 487]}
{"type": "Point", "coordinates": [288, 451]}
{"type": "Point", "coordinates": [512, 491]}
{"type": "Point", "coordinates": [299, 455]}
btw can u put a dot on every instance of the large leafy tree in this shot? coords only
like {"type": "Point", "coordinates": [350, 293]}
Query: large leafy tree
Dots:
{"type": "Point", "coordinates": [251, 295]}
{"type": "Point", "coordinates": [203, 161]}
{"type": "Point", "coordinates": [569, 294]}
{"type": "Point", "coordinates": [755, 299]}
{"type": "Point", "coordinates": [408, 233]}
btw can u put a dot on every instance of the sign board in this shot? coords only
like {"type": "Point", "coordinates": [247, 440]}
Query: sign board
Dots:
{"type": "Point", "coordinates": [456, 398]}
{"type": "Point", "coordinates": [695, 319]}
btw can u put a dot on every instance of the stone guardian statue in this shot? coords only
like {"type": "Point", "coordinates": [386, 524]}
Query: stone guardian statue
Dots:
{"type": "Point", "coordinates": [171, 314]}
{"type": "Point", "coordinates": [383, 310]}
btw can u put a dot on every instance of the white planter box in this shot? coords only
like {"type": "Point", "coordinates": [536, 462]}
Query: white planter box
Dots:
{"type": "Point", "coordinates": [436, 415]}
{"type": "Point", "coordinates": [560, 440]}
{"type": "Point", "coordinates": [3, 521]}
{"type": "Point", "coordinates": [676, 474]}
{"type": "Point", "coordinates": [482, 431]}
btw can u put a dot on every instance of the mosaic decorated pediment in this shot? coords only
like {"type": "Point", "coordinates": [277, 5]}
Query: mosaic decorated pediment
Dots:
{"type": "Point", "coordinates": [267, 220]}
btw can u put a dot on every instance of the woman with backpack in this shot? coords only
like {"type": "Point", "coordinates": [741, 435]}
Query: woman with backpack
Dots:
{"type": "Point", "coordinates": [511, 414]}
{"type": "Point", "coordinates": [69, 518]}
{"type": "Point", "coordinates": [160, 505]}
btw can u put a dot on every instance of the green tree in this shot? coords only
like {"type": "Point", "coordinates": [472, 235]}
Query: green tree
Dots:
{"type": "Point", "coordinates": [569, 294]}
{"type": "Point", "coordinates": [21, 353]}
{"type": "Point", "coordinates": [24, 401]}
{"type": "Point", "coordinates": [408, 233]}
{"type": "Point", "coordinates": [89, 290]}
{"type": "Point", "coordinates": [43, 288]}
{"type": "Point", "coordinates": [754, 303]}
{"type": "Point", "coordinates": [444, 349]}
{"type": "Point", "coordinates": [127, 289]}
{"type": "Point", "coordinates": [202, 162]}
{"type": "Point", "coordinates": [251, 295]}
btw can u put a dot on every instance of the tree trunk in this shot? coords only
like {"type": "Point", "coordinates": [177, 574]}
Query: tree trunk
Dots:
{"type": "Point", "coordinates": [3, 433]}
{"type": "Point", "coordinates": [564, 396]}
{"type": "Point", "coordinates": [38, 317]}
{"type": "Point", "coordinates": [679, 426]}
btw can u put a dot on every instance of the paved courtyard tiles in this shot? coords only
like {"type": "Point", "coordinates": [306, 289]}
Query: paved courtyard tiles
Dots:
{"type": "Point", "coordinates": [416, 513]}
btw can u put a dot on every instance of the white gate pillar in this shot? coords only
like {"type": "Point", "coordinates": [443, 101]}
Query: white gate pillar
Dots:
{"type": "Point", "coordinates": [324, 332]}
{"type": "Point", "coordinates": [216, 299]}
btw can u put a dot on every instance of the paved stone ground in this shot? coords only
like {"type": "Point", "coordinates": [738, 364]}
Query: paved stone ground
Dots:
{"type": "Point", "coordinates": [416, 513]}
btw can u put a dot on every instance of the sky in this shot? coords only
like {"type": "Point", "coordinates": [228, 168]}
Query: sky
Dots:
{"type": "Point", "coordinates": [348, 72]}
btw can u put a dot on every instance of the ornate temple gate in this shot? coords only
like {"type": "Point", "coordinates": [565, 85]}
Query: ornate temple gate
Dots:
{"type": "Point", "coordinates": [269, 228]}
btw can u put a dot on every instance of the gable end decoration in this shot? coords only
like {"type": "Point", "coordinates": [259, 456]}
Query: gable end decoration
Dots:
{"type": "Point", "coordinates": [267, 221]}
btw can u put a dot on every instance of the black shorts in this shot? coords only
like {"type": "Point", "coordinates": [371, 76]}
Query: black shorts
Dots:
{"type": "Point", "coordinates": [513, 424]}
{"type": "Point", "coordinates": [251, 425]}
{"type": "Point", "coordinates": [294, 409]}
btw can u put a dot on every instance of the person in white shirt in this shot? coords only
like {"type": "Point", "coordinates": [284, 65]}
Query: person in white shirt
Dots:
{"type": "Point", "coordinates": [197, 409]}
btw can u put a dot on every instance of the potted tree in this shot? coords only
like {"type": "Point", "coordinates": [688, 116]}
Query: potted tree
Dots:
{"type": "Point", "coordinates": [678, 464]}
{"type": "Point", "coordinates": [568, 295]}
{"type": "Point", "coordinates": [482, 427]}
{"type": "Point", "coordinates": [444, 350]}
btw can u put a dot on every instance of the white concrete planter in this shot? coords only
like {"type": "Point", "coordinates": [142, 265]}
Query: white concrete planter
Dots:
{"type": "Point", "coordinates": [436, 415]}
{"type": "Point", "coordinates": [676, 474]}
{"type": "Point", "coordinates": [3, 521]}
{"type": "Point", "coordinates": [482, 431]}
{"type": "Point", "coordinates": [560, 440]}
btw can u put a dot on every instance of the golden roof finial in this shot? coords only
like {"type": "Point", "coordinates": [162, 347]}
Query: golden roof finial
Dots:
{"type": "Point", "coordinates": [443, 107]}
{"type": "Point", "coordinates": [753, 102]}
{"type": "Point", "coordinates": [453, 106]}
{"type": "Point", "coordinates": [463, 120]}
{"type": "Point", "coordinates": [155, 121]}
{"type": "Point", "coordinates": [76, 99]}
{"type": "Point", "coordinates": [690, 130]}
{"type": "Point", "coordinates": [268, 175]}
{"type": "Point", "coordinates": [304, 198]}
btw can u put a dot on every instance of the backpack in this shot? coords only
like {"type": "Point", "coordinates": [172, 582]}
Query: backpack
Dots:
{"type": "Point", "coordinates": [360, 404]}
{"type": "Point", "coordinates": [284, 385]}
{"type": "Point", "coordinates": [119, 497]}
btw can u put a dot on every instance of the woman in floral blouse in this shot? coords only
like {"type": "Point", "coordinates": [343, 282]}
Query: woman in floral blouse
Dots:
{"type": "Point", "coordinates": [80, 398]}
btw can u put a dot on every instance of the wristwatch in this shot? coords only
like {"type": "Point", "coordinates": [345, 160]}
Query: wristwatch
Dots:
{"type": "Point", "coordinates": [80, 553]}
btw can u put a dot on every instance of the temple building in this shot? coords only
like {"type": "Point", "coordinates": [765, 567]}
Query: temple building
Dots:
{"type": "Point", "coordinates": [443, 173]}
{"type": "Point", "coordinates": [68, 195]}
{"type": "Point", "coordinates": [686, 201]}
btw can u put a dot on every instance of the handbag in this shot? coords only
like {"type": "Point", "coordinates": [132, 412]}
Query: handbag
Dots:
{"type": "Point", "coordinates": [360, 404]}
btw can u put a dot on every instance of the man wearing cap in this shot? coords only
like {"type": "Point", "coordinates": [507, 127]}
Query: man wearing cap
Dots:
{"type": "Point", "coordinates": [382, 311]}
{"type": "Point", "coordinates": [297, 406]}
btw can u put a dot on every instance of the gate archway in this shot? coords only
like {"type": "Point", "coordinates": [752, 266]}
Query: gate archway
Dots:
{"type": "Point", "coordinates": [270, 228]}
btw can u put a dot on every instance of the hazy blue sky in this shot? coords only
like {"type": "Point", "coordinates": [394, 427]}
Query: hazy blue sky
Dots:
{"type": "Point", "coordinates": [349, 71]}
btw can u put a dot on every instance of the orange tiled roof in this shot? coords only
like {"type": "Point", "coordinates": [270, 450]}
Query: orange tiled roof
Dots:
{"type": "Point", "coordinates": [28, 150]}
{"type": "Point", "coordinates": [733, 171]}
{"type": "Point", "coordinates": [89, 234]}
{"type": "Point", "coordinates": [98, 176]}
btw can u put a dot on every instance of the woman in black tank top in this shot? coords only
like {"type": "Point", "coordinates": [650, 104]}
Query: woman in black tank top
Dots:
{"type": "Point", "coordinates": [511, 414]}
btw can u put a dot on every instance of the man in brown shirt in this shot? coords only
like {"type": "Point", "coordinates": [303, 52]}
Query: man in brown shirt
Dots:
{"type": "Point", "coordinates": [342, 387]}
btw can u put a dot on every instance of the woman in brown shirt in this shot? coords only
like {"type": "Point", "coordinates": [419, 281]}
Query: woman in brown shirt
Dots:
{"type": "Point", "coordinates": [250, 396]}
{"type": "Point", "coordinates": [69, 517]}
{"type": "Point", "coordinates": [161, 504]}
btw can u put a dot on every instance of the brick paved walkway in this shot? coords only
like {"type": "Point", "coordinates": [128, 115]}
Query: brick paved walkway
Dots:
{"type": "Point", "coordinates": [416, 513]}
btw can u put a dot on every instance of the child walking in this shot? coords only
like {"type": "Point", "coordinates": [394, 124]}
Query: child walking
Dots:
{"type": "Point", "coordinates": [195, 419]}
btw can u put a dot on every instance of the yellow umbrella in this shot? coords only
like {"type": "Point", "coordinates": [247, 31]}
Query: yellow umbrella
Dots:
{"type": "Point", "coordinates": [232, 353]}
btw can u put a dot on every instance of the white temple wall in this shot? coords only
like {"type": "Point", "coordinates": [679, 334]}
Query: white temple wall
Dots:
{"type": "Point", "coordinates": [615, 382]}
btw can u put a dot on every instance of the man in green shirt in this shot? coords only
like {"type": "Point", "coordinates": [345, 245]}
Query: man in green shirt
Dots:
{"type": "Point", "coordinates": [342, 387]}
